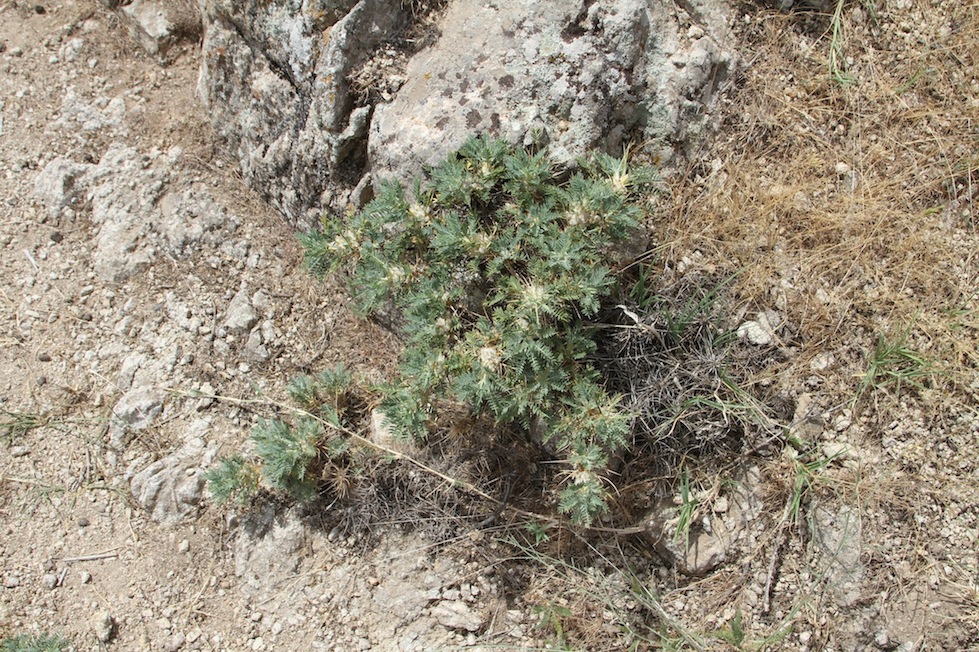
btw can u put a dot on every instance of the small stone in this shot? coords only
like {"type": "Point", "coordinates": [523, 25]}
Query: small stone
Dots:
{"type": "Point", "coordinates": [882, 640]}
{"type": "Point", "coordinates": [805, 637]}
{"type": "Point", "coordinates": [44, 357]}
{"type": "Point", "coordinates": [83, 522]}
{"type": "Point", "coordinates": [842, 169]}
{"type": "Point", "coordinates": [184, 546]}
{"type": "Point", "coordinates": [176, 642]}
{"type": "Point", "coordinates": [754, 333]}
{"type": "Point", "coordinates": [163, 623]}
{"type": "Point", "coordinates": [457, 615]}
{"type": "Point", "coordinates": [11, 581]}
{"type": "Point", "coordinates": [721, 505]}
{"type": "Point", "coordinates": [39, 10]}
{"type": "Point", "coordinates": [85, 577]}
{"type": "Point", "coordinates": [837, 451]}
{"type": "Point", "coordinates": [104, 626]}
{"type": "Point", "coordinates": [56, 237]}
{"type": "Point", "coordinates": [822, 362]}
{"type": "Point", "coordinates": [241, 316]}
{"type": "Point", "coordinates": [50, 581]}
{"type": "Point", "coordinates": [16, 52]}
{"type": "Point", "coordinates": [19, 451]}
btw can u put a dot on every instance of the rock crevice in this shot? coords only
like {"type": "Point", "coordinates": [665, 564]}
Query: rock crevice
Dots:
{"type": "Point", "coordinates": [317, 107]}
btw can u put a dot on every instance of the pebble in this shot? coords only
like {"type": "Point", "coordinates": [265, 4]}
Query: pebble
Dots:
{"type": "Point", "coordinates": [44, 357]}
{"type": "Point", "coordinates": [19, 451]}
{"type": "Point", "coordinates": [50, 581]}
{"type": "Point", "coordinates": [176, 642]}
{"type": "Point", "coordinates": [184, 546]}
{"type": "Point", "coordinates": [104, 626]}
{"type": "Point", "coordinates": [85, 577]}
{"type": "Point", "coordinates": [83, 522]}
{"type": "Point", "coordinates": [721, 505]}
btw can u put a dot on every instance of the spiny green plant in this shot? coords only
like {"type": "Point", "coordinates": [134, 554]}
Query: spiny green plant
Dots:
{"type": "Point", "coordinates": [292, 454]}
{"type": "Point", "coordinates": [494, 267]}
{"type": "Point", "coordinates": [34, 643]}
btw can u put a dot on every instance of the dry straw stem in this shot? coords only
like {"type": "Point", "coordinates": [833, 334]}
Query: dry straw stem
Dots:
{"type": "Point", "coordinates": [855, 202]}
{"type": "Point", "coordinates": [365, 442]}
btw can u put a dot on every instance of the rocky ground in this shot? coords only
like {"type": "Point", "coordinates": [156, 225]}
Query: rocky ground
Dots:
{"type": "Point", "coordinates": [151, 307]}
{"type": "Point", "coordinates": [139, 278]}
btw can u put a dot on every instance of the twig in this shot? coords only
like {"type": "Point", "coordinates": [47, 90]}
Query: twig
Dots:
{"type": "Point", "coordinates": [97, 556]}
{"type": "Point", "coordinates": [30, 257]}
{"type": "Point", "coordinates": [780, 537]}
{"type": "Point", "coordinates": [36, 483]}
{"type": "Point", "coordinates": [398, 455]}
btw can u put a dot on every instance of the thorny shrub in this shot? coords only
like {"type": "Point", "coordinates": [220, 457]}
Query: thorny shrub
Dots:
{"type": "Point", "coordinates": [494, 268]}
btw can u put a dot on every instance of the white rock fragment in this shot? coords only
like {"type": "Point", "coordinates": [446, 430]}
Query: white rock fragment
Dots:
{"type": "Point", "coordinates": [456, 614]}
{"type": "Point", "coordinates": [135, 411]}
{"type": "Point", "coordinates": [62, 183]}
{"type": "Point", "coordinates": [241, 316]}
{"type": "Point", "coordinates": [760, 331]}
{"type": "Point", "coordinates": [104, 626]}
{"type": "Point", "coordinates": [170, 489]}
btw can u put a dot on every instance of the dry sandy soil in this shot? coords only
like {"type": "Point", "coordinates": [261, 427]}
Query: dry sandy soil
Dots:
{"type": "Point", "coordinates": [844, 197]}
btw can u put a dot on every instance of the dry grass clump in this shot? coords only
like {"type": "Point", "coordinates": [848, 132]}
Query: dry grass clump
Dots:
{"type": "Point", "coordinates": [850, 206]}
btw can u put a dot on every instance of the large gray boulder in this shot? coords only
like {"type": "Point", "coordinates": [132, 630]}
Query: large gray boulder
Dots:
{"type": "Point", "coordinates": [274, 79]}
{"type": "Point", "coordinates": [571, 74]}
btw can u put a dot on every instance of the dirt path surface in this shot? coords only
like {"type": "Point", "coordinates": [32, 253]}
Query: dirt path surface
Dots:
{"type": "Point", "coordinates": [137, 270]}
{"type": "Point", "coordinates": [151, 308]}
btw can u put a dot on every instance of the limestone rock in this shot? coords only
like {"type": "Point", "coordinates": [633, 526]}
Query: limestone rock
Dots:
{"type": "Point", "coordinates": [104, 626]}
{"type": "Point", "coordinates": [838, 531]}
{"type": "Point", "coordinates": [761, 330]}
{"type": "Point", "coordinates": [274, 79]}
{"type": "Point", "coordinates": [241, 315]}
{"type": "Point", "coordinates": [575, 75]}
{"type": "Point", "coordinates": [572, 74]}
{"type": "Point", "coordinates": [123, 195]}
{"type": "Point", "coordinates": [158, 24]}
{"type": "Point", "coordinates": [170, 489]}
{"type": "Point", "coordinates": [135, 411]}
{"type": "Point", "coordinates": [712, 539]}
{"type": "Point", "coordinates": [268, 550]}
{"type": "Point", "coordinates": [62, 183]}
{"type": "Point", "coordinates": [456, 614]}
